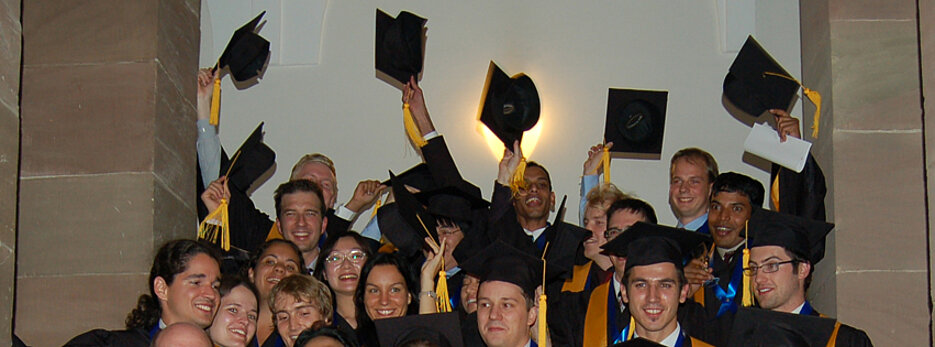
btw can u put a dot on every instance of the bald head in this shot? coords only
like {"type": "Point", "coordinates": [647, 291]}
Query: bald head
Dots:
{"type": "Point", "coordinates": [182, 335]}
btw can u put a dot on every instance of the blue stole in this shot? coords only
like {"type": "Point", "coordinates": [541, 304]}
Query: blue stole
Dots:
{"type": "Point", "coordinates": [727, 297]}
{"type": "Point", "coordinates": [612, 312]}
{"type": "Point", "coordinates": [155, 330]}
{"type": "Point", "coordinates": [533, 343]}
{"type": "Point", "coordinates": [540, 242]}
{"type": "Point", "coordinates": [807, 309]}
{"type": "Point", "coordinates": [704, 229]}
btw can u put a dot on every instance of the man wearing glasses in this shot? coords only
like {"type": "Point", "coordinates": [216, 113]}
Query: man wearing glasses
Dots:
{"type": "Point", "coordinates": [783, 252]}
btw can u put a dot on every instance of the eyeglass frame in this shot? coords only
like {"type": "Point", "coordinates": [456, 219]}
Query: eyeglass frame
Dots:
{"type": "Point", "coordinates": [346, 257]}
{"type": "Point", "coordinates": [753, 270]}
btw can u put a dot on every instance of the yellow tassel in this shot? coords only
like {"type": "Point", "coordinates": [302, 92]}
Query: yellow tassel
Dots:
{"type": "Point", "coordinates": [216, 103]}
{"type": "Point", "coordinates": [605, 161]}
{"type": "Point", "coordinates": [774, 193]}
{"type": "Point", "coordinates": [631, 329]}
{"type": "Point", "coordinates": [519, 177]}
{"type": "Point", "coordinates": [376, 207]}
{"type": "Point", "coordinates": [209, 230]}
{"type": "Point", "coordinates": [812, 95]}
{"type": "Point", "coordinates": [543, 306]}
{"type": "Point", "coordinates": [441, 291]}
{"type": "Point", "coordinates": [816, 99]}
{"type": "Point", "coordinates": [543, 326]}
{"type": "Point", "coordinates": [411, 129]}
{"type": "Point", "coordinates": [747, 291]}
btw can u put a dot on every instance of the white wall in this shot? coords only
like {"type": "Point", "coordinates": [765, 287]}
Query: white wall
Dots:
{"type": "Point", "coordinates": [574, 51]}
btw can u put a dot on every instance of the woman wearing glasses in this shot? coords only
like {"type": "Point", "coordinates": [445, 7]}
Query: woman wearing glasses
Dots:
{"type": "Point", "coordinates": [342, 257]}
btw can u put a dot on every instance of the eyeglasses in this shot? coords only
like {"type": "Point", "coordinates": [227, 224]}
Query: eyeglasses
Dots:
{"type": "Point", "coordinates": [355, 256]}
{"type": "Point", "coordinates": [766, 268]}
{"type": "Point", "coordinates": [610, 233]}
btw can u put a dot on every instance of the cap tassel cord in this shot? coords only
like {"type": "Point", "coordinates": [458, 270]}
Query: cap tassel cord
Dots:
{"type": "Point", "coordinates": [411, 129]}
{"type": "Point", "coordinates": [376, 207]}
{"type": "Point", "coordinates": [543, 306]}
{"type": "Point", "coordinates": [812, 95]}
{"type": "Point", "coordinates": [216, 103]}
{"type": "Point", "coordinates": [442, 302]}
{"type": "Point", "coordinates": [519, 177]}
{"type": "Point", "coordinates": [747, 291]}
{"type": "Point", "coordinates": [630, 329]}
{"type": "Point", "coordinates": [605, 162]}
{"type": "Point", "coordinates": [218, 221]}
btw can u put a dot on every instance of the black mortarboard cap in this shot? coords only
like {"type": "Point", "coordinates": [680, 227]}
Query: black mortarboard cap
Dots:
{"type": "Point", "coordinates": [502, 262]}
{"type": "Point", "coordinates": [419, 221]}
{"type": "Point", "coordinates": [509, 105]}
{"type": "Point", "coordinates": [635, 120]}
{"type": "Point", "coordinates": [802, 236]}
{"type": "Point", "coordinates": [454, 202]}
{"type": "Point", "coordinates": [750, 88]}
{"type": "Point", "coordinates": [647, 244]}
{"type": "Point", "coordinates": [246, 52]}
{"type": "Point", "coordinates": [760, 328]}
{"type": "Point", "coordinates": [399, 45]}
{"type": "Point", "coordinates": [637, 342]}
{"type": "Point", "coordinates": [254, 160]}
{"type": "Point", "coordinates": [418, 177]}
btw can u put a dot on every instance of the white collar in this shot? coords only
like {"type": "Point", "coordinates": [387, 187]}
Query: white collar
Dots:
{"type": "Point", "coordinates": [798, 310]}
{"type": "Point", "coordinates": [670, 340]}
{"type": "Point", "coordinates": [722, 251]}
{"type": "Point", "coordinates": [535, 233]}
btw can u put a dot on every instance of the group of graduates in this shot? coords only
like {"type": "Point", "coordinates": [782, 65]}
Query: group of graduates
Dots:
{"type": "Point", "coordinates": [439, 265]}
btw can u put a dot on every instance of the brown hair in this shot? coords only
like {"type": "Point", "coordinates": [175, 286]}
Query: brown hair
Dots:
{"type": "Point", "coordinates": [697, 156]}
{"type": "Point", "coordinates": [304, 288]}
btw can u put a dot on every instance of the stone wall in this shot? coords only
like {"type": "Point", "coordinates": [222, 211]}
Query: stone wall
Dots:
{"type": "Point", "coordinates": [10, 52]}
{"type": "Point", "coordinates": [107, 171]}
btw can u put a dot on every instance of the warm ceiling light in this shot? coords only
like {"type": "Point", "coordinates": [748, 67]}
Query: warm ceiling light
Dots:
{"type": "Point", "coordinates": [530, 138]}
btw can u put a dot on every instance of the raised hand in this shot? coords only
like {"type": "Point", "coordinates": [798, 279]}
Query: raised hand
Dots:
{"type": "Point", "coordinates": [366, 193]}
{"type": "Point", "coordinates": [592, 165]}
{"type": "Point", "coordinates": [786, 125]}
{"type": "Point", "coordinates": [214, 192]}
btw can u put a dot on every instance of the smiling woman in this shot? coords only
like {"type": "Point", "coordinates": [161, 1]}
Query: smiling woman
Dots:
{"type": "Point", "coordinates": [235, 322]}
{"type": "Point", "coordinates": [273, 261]}
{"type": "Point", "coordinates": [384, 292]}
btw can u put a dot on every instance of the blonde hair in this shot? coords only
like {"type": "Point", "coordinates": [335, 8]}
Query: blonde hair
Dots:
{"type": "Point", "coordinates": [313, 158]}
{"type": "Point", "coordinates": [304, 288]}
{"type": "Point", "coordinates": [604, 194]}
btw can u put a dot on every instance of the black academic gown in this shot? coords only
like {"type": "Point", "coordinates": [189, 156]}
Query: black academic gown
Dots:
{"type": "Point", "coordinates": [801, 194]}
{"type": "Point", "coordinates": [470, 334]}
{"type": "Point", "coordinates": [717, 329]}
{"type": "Point", "coordinates": [848, 335]}
{"type": "Point", "coordinates": [137, 337]}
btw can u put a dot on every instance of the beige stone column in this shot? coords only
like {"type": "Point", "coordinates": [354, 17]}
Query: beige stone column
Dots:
{"type": "Point", "coordinates": [107, 172]}
{"type": "Point", "coordinates": [863, 56]}
{"type": "Point", "coordinates": [10, 52]}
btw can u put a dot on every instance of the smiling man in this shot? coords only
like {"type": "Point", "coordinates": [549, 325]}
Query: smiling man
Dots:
{"type": "Point", "coordinates": [734, 197]}
{"type": "Point", "coordinates": [300, 216]}
{"type": "Point", "coordinates": [297, 303]}
{"type": "Point", "coordinates": [507, 309]}
{"type": "Point", "coordinates": [603, 310]}
{"type": "Point", "coordinates": [654, 284]}
{"type": "Point", "coordinates": [783, 252]}
{"type": "Point", "coordinates": [183, 285]}
{"type": "Point", "coordinates": [691, 174]}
